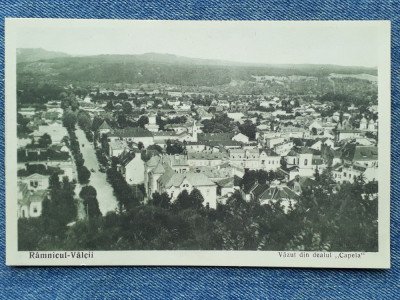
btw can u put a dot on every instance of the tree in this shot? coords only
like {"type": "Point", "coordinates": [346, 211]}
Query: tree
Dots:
{"type": "Point", "coordinates": [126, 107]}
{"type": "Point", "coordinates": [143, 120]}
{"type": "Point", "coordinates": [69, 119]}
{"type": "Point", "coordinates": [60, 208]}
{"type": "Point", "coordinates": [121, 120]}
{"type": "Point", "coordinates": [155, 147]}
{"type": "Point", "coordinates": [174, 148]}
{"type": "Point", "coordinates": [54, 181]}
{"type": "Point", "coordinates": [45, 140]}
{"type": "Point", "coordinates": [162, 200]}
{"type": "Point", "coordinates": [83, 175]}
{"type": "Point", "coordinates": [248, 129]}
{"type": "Point", "coordinates": [196, 199]}
{"type": "Point", "coordinates": [84, 120]}
{"type": "Point", "coordinates": [183, 201]}
{"type": "Point", "coordinates": [317, 177]}
{"type": "Point", "coordinates": [89, 196]}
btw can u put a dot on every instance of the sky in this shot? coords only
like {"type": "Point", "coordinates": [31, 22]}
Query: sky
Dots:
{"type": "Point", "coordinates": [340, 43]}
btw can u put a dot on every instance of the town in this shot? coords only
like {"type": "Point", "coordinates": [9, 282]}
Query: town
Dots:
{"type": "Point", "coordinates": [96, 152]}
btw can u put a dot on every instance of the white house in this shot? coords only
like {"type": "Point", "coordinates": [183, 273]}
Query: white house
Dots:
{"type": "Point", "coordinates": [241, 138]}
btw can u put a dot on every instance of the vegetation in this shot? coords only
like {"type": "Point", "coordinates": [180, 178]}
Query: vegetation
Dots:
{"type": "Point", "coordinates": [322, 221]}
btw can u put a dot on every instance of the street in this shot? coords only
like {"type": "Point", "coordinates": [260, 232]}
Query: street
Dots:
{"type": "Point", "coordinates": [105, 195]}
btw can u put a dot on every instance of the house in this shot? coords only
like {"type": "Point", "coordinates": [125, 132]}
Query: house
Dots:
{"type": "Point", "coordinates": [225, 187]}
{"type": "Point", "coordinates": [236, 116]}
{"type": "Point", "coordinates": [132, 134]}
{"type": "Point", "coordinates": [174, 183]}
{"type": "Point", "coordinates": [30, 202]}
{"type": "Point", "coordinates": [284, 148]}
{"type": "Point", "coordinates": [116, 148]}
{"type": "Point", "coordinates": [214, 137]}
{"type": "Point", "coordinates": [49, 158]}
{"type": "Point", "coordinates": [132, 167]}
{"type": "Point", "coordinates": [320, 142]}
{"type": "Point", "coordinates": [56, 131]}
{"type": "Point", "coordinates": [301, 184]}
{"type": "Point", "coordinates": [241, 138]}
{"type": "Point", "coordinates": [282, 194]}
{"type": "Point", "coordinates": [366, 156]}
{"type": "Point", "coordinates": [104, 128]}
{"type": "Point", "coordinates": [27, 111]}
{"type": "Point", "coordinates": [269, 160]}
{"type": "Point", "coordinates": [158, 165]}
{"type": "Point", "coordinates": [197, 159]}
{"type": "Point", "coordinates": [342, 134]}
{"type": "Point", "coordinates": [270, 142]}
{"type": "Point", "coordinates": [349, 172]}
{"type": "Point", "coordinates": [35, 182]}
{"type": "Point", "coordinates": [253, 190]}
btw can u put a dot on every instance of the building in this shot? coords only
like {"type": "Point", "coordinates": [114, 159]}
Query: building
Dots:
{"type": "Point", "coordinates": [241, 138]}
{"type": "Point", "coordinates": [56, 131]}
{"type": "Point", "coordinates": [198, 159]}
{"type": "Point", "coordinates": [132, 167]}
{"type": "Point", "coordinates": [30, 202]}
{"type": "Point", "coordinates": [279, 194]}
{"type": "Point", "coordinates": [132, 134]}
{"type": "Point", "coordinates": [116, 148]}
{"type": "Point", "coordinates": [171, 174]}
{"type": "Point", "coordinates": [174, 183]}
{"type": "Point", "coordinates": [104, 128]}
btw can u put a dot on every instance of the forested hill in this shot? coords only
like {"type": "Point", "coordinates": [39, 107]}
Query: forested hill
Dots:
{"type": "Point", "coordinates": [35, 54]}
{"type": "Point", "coordinates": [163, 68]}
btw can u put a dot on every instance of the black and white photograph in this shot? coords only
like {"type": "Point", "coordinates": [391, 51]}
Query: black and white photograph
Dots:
{"type": "Point", "coordinates": [226, 143]}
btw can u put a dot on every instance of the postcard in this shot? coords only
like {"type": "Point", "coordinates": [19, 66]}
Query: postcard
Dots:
{"type": "Point", "coordinates": [197, 143]}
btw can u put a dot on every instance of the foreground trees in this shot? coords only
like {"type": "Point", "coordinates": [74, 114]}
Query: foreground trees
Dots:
{"type": "Point", "coordinates": [324, 219]}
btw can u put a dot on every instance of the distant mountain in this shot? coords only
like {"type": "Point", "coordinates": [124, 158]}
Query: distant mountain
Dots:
{"type": "Point", "coordinates": [158, 68]}
{"type": "Point", "coordinates": [35, 54]}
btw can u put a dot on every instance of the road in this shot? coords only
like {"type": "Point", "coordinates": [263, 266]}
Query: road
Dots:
{"type": "Point", "coordinates": [105, 193]}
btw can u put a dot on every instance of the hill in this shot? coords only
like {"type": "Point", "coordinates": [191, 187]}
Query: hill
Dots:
{"type": "Point", "coordinates": [158, 68]}
{"type": "Point", "coordinates": [36, 54]}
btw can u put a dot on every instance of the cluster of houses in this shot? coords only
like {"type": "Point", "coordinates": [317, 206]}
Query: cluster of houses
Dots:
{"type": "Point", "coordinates": [37, 162]}
{"type": "Point", "coordinates": [295, 146]}
{"type": "Point", "coordinates": [214, 163]}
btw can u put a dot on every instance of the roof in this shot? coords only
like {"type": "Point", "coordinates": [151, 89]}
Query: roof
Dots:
{"type": "Point", "coordinates": [153, 161]}
{"type": "Point", "coordinates": [359, 153]}
{"type": "Point", "coordinates": [270, 152]}
{"type": "Point", "coordinates": [126, 158]}
{"type": "Point", "coordinates": [277, 193]}
{"type": "Point", "coordinates": [170, 178]}
{"type": "Point", "coordinates": [217, 137]}
{"type": "Point", "coordinates": [132, 132]}
{"type": "Point", "coordinates": [206, 155]}
{"type": "Point", "coordinates": [198, 179]}
{"type": "Point", "coordinates": [305, 182]}
{"type": "Point", "coordinates": [104, 125]}
{"type": "Point", "coordinates": [250, 186]}
{"type": "Point", "coordinates": [226, 182]}
{"type": "Point", "coordinates": [259, 190]}
{"type": "Point", "coordinates": [159, 169]}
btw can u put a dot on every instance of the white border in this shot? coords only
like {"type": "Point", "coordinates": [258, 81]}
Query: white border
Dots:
{"type": "Point", "coordinates": [379, 259]}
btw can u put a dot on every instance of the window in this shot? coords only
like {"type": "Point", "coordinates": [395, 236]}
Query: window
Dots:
{"type": "Point", "coordinates": [344, 174]}
{"type": "Point", "coordinates": [34, 183]}
{"type": "Point", "coordinates": [35, 209]}
{"type": "Point", "coordinates": [306, 162]}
